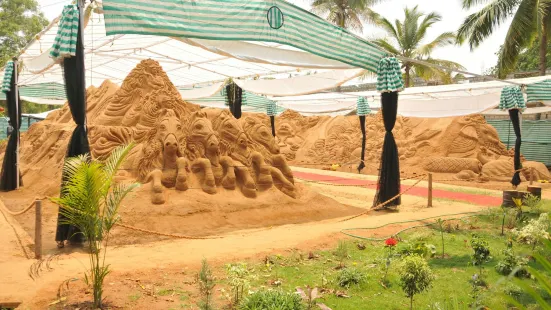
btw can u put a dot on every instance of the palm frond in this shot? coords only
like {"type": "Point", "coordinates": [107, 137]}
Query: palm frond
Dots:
{"type": "Point", "coordinates": [467, 4]}
{"type": "Point", "coordinates": [411, 25]}
{"type": "Point", "coordinates": [114, 161]}
{"type": "Point", "coordinates": [480, 25]}
{"type": "Point", "coordinates": [114, 200]}
{"type": "Point", "coordinates": [383, 43]}
{"type": "Point", "coordinates": [521, 33]}
{"type": "Point", "coordinates": [427, 22]}
{"type": "Point", "coordinates": [444, 39]}
{"type": "Point", "coordinates": [384, 24]}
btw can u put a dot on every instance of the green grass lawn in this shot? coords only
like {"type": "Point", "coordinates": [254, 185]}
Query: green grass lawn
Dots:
{"type": "Point", "coordinates": [451, 288]}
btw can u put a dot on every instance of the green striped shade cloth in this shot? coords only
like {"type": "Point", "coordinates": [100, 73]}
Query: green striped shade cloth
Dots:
{"type": "Point", "coordinates": [8, 73]}
{"type": "Point", "coordinates": [54, 91]}
{"type": "Point", "coordinates": [511, 98]}
{"type": "Point", "coordinates": [241, 20]}
{"type": "Point", "coordinates": [389, 75]}
{"type": "Point", "coordinates": [539, 92]}
{"type": "Point", "coordinates": [271, 108]}
{"type": "Point", "coordinates": [362, 107]}
{"type": "Point", "coordinates": [65, 42]}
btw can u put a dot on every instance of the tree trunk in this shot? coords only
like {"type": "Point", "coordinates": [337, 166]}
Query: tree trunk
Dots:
{"type": "Point", "coordinates": [411, 302]}
{"type": "Point", "coordinates": [543, 49]}
{"type": "Point", "coordinates": [408, 68]}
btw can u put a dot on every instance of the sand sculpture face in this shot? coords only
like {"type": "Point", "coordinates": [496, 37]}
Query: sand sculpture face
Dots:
{"type": "Point", "coordinates": [261, 135]}
{"type": "Point", "coordinates": [169, 132]}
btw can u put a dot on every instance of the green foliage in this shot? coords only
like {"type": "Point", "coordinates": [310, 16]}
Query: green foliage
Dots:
{"type": "Point", "coordinates": [533, 203]}
{"type": "Point", "coordinates": [481, 250]}
{"type": "Point", "coordinates": [529, 18]}
{"type": "Point", "coordinates": [512, 262]}
{"type": "Point", "coordinates": [407, 38]}
{"type": "Point", "coordinates": [535, 231]}
{"type": "Point", "coordinates": [418, 248]}
{"type": "Point", "coordinates": [20, 21]}
{"type": "Point", "coordinates": [415, 276]}
{"type": "Point", "coordinates": [440, 224]}
{"type": "Point", "coordinates": [272, 300]}
{"type": "Point", "coordinates": [239, 280]}
{"type": "Point", "coordinates": [342, 252]}
{"type": "Point", "coordinates": [206, 286]}
{"type": "Point", "coordinates": [347, 14]}
{"type": "Point", "coordinates": [90, 200]}
{"type": "Point", "coordinates": [350, 276]}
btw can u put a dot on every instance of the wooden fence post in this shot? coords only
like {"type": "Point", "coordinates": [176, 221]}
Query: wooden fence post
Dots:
{"type": "Point", "coordinates": [531, 175]}
{"type": "Point", "coordinates": [429, 203]}
{"type": "Point", "coordinates": [38, 230]}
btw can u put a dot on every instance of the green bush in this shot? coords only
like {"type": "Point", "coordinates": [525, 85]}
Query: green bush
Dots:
{"type": "Point", "coordinates": [272, 300]}
{"type": "Point", "coordinates": [418, 248]}
{"type": "Point", "coordinates": [512, 262]}
{"type": "Point", "coordinates": [350, 276]}
{"type": "Point", "coordinates": [415, 276]}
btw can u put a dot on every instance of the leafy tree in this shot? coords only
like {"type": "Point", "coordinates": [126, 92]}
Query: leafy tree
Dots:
{"type": "Point", "coordinates": [405, 39]}
{"type": "Point", "coordinates": [90, 200]}
{"type": "Point", "coordinates": [347, 14]}
{"type": "Point", "coordinates": [531, 20]}
{"type": "Point", "coordinates": [20, 21]}
{"type": "Point", "coordinates": [415, 276]}
{"type": "Point", "coordinates": [528, 59]}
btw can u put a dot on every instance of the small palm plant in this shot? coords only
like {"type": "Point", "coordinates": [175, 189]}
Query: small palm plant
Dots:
{"type": "Point", "coordinates": [90, 200]}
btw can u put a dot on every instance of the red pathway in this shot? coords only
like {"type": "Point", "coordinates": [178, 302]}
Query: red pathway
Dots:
{"type": "Point", "coordinates": [419, 191]}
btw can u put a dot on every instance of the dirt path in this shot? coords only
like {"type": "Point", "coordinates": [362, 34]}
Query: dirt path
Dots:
{"type": "Point", "coordinates": [15, 283]}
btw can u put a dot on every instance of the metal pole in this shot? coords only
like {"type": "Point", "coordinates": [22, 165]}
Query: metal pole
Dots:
{"type": "Point", "coordinates": [16, 121]}
{"type": "Point", "coordinates": [38, 230]}
{"type": "Point", "coordinates": [81, 4]}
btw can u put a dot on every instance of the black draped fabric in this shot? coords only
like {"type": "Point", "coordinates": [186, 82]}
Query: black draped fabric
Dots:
{"type": "Point", "coordinates": [10, 173]}
{"type": "Point", "coordinates": [235, 97]}
{"type": "Point", "coordinates": [515, 116]}
{"type": "Point", "coordinates": [75, 87]}
{"type": "Point", "coordinates": [272, 123]}
{"type": "Point", "coordinates": [362, 127]}
{"type": "Point", "coordinates": [389, 174]}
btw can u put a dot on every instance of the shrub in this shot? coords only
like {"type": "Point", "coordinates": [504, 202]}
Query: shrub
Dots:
{"type": "Point", "coordinates": [481, 251]}
{"type": "Point", "coordinates": [206, 286]}
{"type": "Point", "coordinates": [342, 252]}
{"type": "Point", "coordinates": [350, 276]}
{"type": "Point", "coordinates": [418, 248]}
{"type": "Point", "coordinates": [272, 300]}
{"type": "Point", "coordinates": [512, 262]}
{"type": "Point", "coordinates": [534, 203]}
{"type": "Point", "coordinates": [238, 276]}
{"type": "Point", "coordinates": [415, 276]}
{"type": "Point", "coordinates": [534, 232]}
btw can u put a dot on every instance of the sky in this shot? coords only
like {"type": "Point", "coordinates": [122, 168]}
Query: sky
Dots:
{"type": "Point", "coordinates": [476, 61]}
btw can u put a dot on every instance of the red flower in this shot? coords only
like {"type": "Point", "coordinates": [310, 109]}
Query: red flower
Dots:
{"type": "Point", "coordinates": [391, 242]}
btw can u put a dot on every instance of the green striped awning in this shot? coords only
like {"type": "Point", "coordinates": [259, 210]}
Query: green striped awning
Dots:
{"type": "Point", "coordinates": [52, 91]}
{"type": "Point", "coordinates": [65, 43]}
{"type": "Point", "coordinates": [241, 20]}
{"type": "Point", "coordinates": [362, 107]}
{"type": "Point", "coordinates": [8, 73]}
{"type": "Point", "coordinates": [511, 98]}
{"type": "Point", "coordinates": [389, 75]}
{"type": "Point", "coordinates": [259, 103]}
{"type": "Point", "coordinates": [271, 108]}
{"type": "Point", "coordinates": [539, 92]}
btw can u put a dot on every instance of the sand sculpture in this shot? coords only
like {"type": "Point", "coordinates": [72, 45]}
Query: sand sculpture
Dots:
{"type": "Point", "coordinates": [180, 146]}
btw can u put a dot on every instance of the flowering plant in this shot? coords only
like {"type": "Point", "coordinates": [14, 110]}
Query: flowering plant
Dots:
{"type": "Point", "coordinates": [534, 232]}
{"type": "Point", "coordinates": [390, 243]}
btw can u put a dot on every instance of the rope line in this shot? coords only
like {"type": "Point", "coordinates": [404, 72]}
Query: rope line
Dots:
{"type": "Point", "coordinates": [383, 204]}
{"type": "Point", "coordinates": [165, 234]}
{"type": "Point", "coordinates": [30, 206]}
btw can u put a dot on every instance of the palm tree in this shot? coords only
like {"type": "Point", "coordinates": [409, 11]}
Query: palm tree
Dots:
{"type": "Point", "coordinates": [90, 200]}
{"type": "Point", "coordinates": [404, 38]}
{"type": "Point", "coordinates": [531, 20]}
{"type": "Point", "coordinates": [347, 14]}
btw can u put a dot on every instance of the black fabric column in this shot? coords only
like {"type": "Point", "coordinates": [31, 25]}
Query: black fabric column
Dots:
{"type": "Point", "coordinates": [389, 174]}
{"type": "Point", "coordinates": [515, 116]}
{"type": "Point", "coordinates": [75, 87]}
{"type": "Point", "coordinates": [272, 122]}
{"type": "Point", "coordinates": [235, 97]}
{"type": "Point", "coordinates": [362, 127]}
{"type": "Point", "coordinates": [8, 179]}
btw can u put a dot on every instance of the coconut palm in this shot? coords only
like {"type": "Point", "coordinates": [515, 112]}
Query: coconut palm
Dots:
{"type": "Point", "coordinates": [347, 14]}
{"type": "Point", "coordinates": [531, 19]}
{"type": "Point", "coordinates": [90, 200]}
{"type": "Point", "coordinates": [405, 38]}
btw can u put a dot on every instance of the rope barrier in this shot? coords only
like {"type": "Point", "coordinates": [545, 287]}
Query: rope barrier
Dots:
{"type": "Point", "coordinates": [471, 214]}
{"type": "Point", "coordinates": [164, 234]}
{"type": "Point", "coordinates": [30, 206]}
{"type": "Point", "coordinates": [383, 204]}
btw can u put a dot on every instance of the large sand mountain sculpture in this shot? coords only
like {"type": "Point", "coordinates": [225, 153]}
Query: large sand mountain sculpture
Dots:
{"type": "Point", "coordinates": [181, 146]}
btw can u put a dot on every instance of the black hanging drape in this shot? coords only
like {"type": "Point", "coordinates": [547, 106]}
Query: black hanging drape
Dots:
{"type": "Point", "coordinates": [234, 94]}
{"type": "Point", "coordinates": [75, 87]}
{"type": "Point", "coordinates": [515, 116]}
{"type": "Point", "coordinates": [362, 127]}
{"type": "Point", "coordinates": [389, 174]}
{"type": "Point", "coordinates": [272, 123]}
{"type": "Point", "coordinates": [10, 171]}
